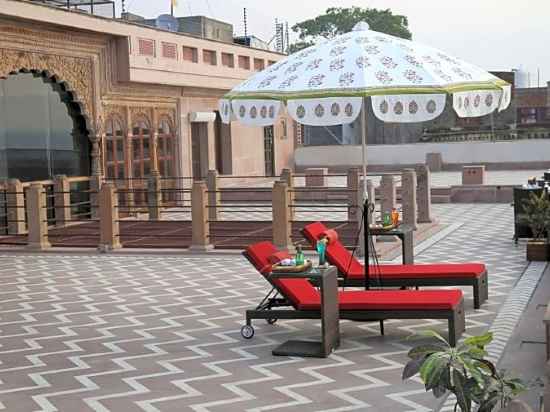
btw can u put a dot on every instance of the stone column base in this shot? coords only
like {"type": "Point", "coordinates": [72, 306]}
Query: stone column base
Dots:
{"type": "Point", "coordinates": [201, 248]}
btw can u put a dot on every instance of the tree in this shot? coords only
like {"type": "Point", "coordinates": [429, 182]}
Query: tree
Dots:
{"type": "Point", "coordinates": [339, 20]}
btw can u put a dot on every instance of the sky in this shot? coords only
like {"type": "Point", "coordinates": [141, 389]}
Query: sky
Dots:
{"type": "Point", "coordinates": [493, 34]}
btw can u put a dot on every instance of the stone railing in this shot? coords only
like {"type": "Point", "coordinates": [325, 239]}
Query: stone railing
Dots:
{"type": "Point", "coordinates": [37, 208]}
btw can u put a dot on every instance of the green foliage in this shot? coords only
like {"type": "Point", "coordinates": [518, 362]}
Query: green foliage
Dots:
{"type": "Point", "coordinates": [536, 214]}
{"type": "Point", "coordinates": [464, 371]}
{"type": "Point", "coordinates": [340, 20]}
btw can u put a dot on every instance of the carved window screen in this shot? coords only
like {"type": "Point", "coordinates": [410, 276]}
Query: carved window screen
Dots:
{"type": "Point", "coordinates": [114, 150]}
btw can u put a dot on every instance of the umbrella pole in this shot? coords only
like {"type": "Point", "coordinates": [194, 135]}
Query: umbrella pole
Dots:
{"type": "Point", "coordinates": [366, 200]}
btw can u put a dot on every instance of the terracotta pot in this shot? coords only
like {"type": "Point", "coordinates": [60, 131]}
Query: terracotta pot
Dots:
{"type": "Point", "coordinates": [538, 250]}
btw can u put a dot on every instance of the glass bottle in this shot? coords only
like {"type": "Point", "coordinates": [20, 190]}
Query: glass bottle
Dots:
{"type": "Point", "coordinates": [386, 219]}
{"type": "Point", "coordinates": [321, 250]}
{"type": "Point", "coordinates": [299, 256]}
{"type": "Point", "coordinates": [395, 217]}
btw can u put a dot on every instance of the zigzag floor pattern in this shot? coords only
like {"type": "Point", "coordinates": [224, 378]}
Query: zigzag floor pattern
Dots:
{"type": "Point", "coordinates": [144, 333]}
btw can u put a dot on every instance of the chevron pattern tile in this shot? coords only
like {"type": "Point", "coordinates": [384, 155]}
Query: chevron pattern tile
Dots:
{"type": "Point", "coordinates": [161, 333]}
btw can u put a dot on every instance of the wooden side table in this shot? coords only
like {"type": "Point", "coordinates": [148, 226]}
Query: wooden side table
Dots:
{"type": "Point", "coordinates": [405, 234]}
{"type": "Point", "coordinates": [327, 280]}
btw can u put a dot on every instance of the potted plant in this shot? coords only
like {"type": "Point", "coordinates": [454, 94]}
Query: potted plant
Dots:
{"type": "Point", "coordinates": [465, 372]}
{"type": "Point", "coordinates": [536, 214]}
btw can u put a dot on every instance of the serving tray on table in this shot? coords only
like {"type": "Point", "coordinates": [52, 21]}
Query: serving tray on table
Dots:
{"type": "Point", "coordinates": [292, 269]}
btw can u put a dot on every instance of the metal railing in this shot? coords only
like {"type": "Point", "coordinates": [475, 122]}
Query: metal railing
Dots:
{"type": "Point", "coordinates": [3, 211]}
{"type": "Point", "coordinates": [173, 213]}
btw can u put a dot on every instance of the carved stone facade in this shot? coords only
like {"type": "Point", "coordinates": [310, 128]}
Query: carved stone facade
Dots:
{"type": "Point", "coordinates": [97, 66]}
{"type": "Point", "coordinates": [74, 72]}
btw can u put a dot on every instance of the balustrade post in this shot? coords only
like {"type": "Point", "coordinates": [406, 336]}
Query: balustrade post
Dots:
{"type": "Point", "coordinates": [15, 199]}
{"type": "Point", "coordinates": [287, 176]}
{"type": "Point", "coordinates": [424, 194]}
{"type": "Point", "coordinates": [154, 197]}
{"type": "Point", "coordinates": [199, 215]}
{"type": "Point", "coordinates": [408, 197]}
{"type": "Point", "coordinates": [282, 227]}
{"type": "Point", "coordinates": [62, 197]}
{"type": "Point", "coordinates": [214, 197]}
{"type": "Point", "coordinates": [95, 186]}
{"type": "Point", "coordinates": [108, 218]}
{"type": "Point", "coordinates": [37, 237]}
{"type": "Point", "coordinates": [388, 192]}
{"type": "Point", "coordinates": [355, 194]}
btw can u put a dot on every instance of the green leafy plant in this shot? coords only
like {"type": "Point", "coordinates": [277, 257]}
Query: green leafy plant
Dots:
{"type": "Point", "coordinates": [464, 371]}
{"type": "Point", "coordinates": [536, 214]}
{"type": "Point", "coordinates": [340, 20]}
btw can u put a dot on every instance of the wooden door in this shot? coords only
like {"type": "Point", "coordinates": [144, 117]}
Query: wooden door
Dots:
{"type": "Point", "coordinates": [269, 152]}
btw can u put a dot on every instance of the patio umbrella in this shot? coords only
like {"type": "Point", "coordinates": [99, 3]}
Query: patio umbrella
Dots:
{"type": "Point", "coordinates": [328, 84]}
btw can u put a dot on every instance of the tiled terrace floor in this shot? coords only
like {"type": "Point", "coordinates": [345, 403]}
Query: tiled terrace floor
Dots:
{"type": "Point", "coordinates": [156, 333]}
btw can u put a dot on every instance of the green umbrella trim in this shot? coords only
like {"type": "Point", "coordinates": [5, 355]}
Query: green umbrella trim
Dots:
{"type": "Point", "coordinates": [365, 92]}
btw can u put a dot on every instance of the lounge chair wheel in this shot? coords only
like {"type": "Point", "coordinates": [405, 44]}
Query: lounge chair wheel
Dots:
{"type": "Point", "coordinates": [271, 321]}
{"type": "Point", "coordinates": [247, 332]}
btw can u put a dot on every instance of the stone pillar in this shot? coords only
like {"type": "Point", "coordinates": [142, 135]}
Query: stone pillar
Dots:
{"type": "Point", "coordinates": [109, 233]}
{"type": "Point", "coordinates": [434, 161]}
{"type": "Point", "coordinates": [316, 177]}
{"type": "Point", "coordinates": [424, 194]}
{"type": "Point", "coordinates": [361, 222]}
{"type": "Point", "coordinates": [153, 153]}
{"type": "Point", "coordinates": [37, 218]}
{"type": "Point", "coordinates": [15, 199]}
{"type": "Point", "coordinates": [199, 215]}
{"type": "Point", "coordinates": [388, 193]}
{"type": "Point", "coordinates": [473, 175]}
{"type": "Point", "coordinates": [154, 197]}
{"type": "Point", "coordinates": [287, 176]}
{"type": "Point", "coordinates": [214, 196]}
{"type": "Point", "coordinates": [408, 197]}
{"type": "Point", "coordinates": [62, 189]}
{"type": "Point", "coordinates": [372, 199]}
{"type": "Point", "coordinates": [129, 184]}
{"type": "Point", "coordinates": [360, 200]}
{"type": "Point", "coordinates": [282, 226]}
{"type": "Point", "coordinates": [355, 189]}
{"type": "Point", "coordinates": [95, 154]}
{"type": "Point", "coordinates": [95, 186]}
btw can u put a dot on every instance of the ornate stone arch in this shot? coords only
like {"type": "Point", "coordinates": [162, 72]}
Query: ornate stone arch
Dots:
{"type": "Point", "coordinates": [74, 73]}
{"type": "Point", "coordinates": [137, 114]}
{"type": "Point", "coordinates": [170, 120]}
{"type": "Point", "coordinates": [115, 113]}
{"type": "Point", "coordinates": [168, 115]}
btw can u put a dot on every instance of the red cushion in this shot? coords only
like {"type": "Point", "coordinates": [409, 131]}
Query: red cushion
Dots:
{"type": "Point", "coordinates": [400, 299]}
{"type": "Point", "coordinates": [416, 271]}
{"type": "Point", "coordinates": [278, 257]}
{"type": "Point", "coordinates": [259, 254]}
{"type": "Point", "coordinates": [313, 231]}
{"type": "Point", "coordinates": [340, 257]}
{"type": "Point", "coordinates": [300, 292]}
{"type": "Point", "coordinates": [331, 235]}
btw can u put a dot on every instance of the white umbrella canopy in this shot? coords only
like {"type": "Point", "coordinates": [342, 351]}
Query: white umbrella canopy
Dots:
{"type": "Point", "coordinates": [325, 84]}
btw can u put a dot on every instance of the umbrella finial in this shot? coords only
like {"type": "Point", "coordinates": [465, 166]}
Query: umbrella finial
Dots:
{"type": "Point", "coordinates": [361, 26]}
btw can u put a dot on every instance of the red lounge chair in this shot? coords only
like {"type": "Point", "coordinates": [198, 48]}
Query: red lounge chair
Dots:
{"type": "Point", "coordinates": [370, 305]}
{"type": "Point", "coordinates": [438, 274]}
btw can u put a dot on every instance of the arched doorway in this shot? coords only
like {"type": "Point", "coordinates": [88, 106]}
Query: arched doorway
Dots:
{"type": "Point", "coordinates": [42, 130]}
